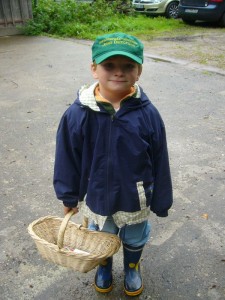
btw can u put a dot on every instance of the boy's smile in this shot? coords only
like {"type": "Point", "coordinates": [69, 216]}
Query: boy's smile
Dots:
{"type": "Point", "coordinates": [116, 76]}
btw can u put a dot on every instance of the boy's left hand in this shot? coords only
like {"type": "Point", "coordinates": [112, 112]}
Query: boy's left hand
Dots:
{"type": "Point", "coordinates": [67, 209]}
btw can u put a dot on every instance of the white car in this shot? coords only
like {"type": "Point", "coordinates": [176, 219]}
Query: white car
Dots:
{"type": "Point", "coordinates": [168, 8]}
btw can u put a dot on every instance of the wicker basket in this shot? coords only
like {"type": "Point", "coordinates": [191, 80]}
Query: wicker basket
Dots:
{"type": "Point", "coordinates": [56, 239]}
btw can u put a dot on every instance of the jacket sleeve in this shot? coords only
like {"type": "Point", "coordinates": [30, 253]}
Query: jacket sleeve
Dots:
{"type": "Point", "coordinates": [162, 194]}
{"type": "Point", "coordinates": [66, 179]}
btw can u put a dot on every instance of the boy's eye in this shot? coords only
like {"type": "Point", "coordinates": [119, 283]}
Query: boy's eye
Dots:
{"type": "Point", "coordinates": [129, 67]}
{"type": "Point", "coordinates": [108, 66]}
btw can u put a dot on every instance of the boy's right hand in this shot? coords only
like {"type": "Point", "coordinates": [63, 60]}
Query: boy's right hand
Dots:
{"type": "Point", "coordinates": [67, 209]}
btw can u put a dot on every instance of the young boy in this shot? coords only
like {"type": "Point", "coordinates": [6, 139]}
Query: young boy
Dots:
{"type": "Point", "coordinates": [111, 156]}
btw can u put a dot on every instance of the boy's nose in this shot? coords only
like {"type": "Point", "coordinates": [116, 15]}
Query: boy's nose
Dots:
{"type": "Point", "coordinates": [119, 71]}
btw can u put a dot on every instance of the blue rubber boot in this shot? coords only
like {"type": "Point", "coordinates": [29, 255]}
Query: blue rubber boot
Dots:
{"type": "Point", "coordinates": [103, 276]}
{"type": "Point", "coordinates": [133, 285]}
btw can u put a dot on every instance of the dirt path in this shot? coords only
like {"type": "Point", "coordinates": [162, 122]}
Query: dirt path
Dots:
{"type": "Point", "coordinates": [206, 48]}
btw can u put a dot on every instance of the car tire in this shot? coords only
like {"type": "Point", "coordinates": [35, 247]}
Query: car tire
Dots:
{"type": "Point", "coordinates": [222, 20]}
{"type": "Point", "coordinates": [188, 21]}
{"type": "Point", "coordinates": [172, 10]}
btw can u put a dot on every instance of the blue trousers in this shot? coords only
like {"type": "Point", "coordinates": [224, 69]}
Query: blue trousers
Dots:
{"type": "Point", "coordinates": [135, 235]}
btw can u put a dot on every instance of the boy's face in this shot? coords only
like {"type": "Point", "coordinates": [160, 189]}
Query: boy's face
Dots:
{"type": "Point", "coordinates": [116, 76]}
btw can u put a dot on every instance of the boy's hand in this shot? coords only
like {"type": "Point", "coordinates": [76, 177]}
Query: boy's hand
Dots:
{"type": "Point", "coordinates": [67, 209]}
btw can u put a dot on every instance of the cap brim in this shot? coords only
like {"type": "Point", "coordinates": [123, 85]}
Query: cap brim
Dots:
{"type": "Point", "coordinates": [104, 56]}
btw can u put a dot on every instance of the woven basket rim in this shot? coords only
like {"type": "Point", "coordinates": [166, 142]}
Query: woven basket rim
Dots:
{"type": "Point", "coordinates": [55, 247]}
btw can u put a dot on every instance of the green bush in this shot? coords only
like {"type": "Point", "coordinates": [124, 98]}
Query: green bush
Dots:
{"type": "Point", "coordinates": [56, 17]}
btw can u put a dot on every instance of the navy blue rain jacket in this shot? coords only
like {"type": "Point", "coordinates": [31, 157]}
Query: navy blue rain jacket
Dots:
{"type": "Point", "coordinates": [103, 157]}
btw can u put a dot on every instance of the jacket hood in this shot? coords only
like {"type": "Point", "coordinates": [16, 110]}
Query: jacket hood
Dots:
{"type": "Point", "coordinates": [86, 97]}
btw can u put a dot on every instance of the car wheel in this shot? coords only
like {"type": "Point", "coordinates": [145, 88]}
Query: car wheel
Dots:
{"type": "Point", "coordinates": [172, 10]}
{"type": "Point", "coordinates": [188, 21]}
{"type": "Point", "coordinates": [222, 21]}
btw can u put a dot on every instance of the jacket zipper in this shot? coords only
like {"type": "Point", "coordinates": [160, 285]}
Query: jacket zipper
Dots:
{"type": "Point", "coordinates": [109, 163]}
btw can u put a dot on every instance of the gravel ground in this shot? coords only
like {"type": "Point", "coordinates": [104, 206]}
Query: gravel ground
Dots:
{"type": "Point", "coordinates": [205, 47]}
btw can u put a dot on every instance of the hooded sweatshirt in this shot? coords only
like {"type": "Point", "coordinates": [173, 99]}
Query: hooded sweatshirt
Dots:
{"type": "Point", "coordinates": [113, 163]}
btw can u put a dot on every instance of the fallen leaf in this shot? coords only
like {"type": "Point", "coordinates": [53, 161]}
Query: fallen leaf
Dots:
{"type": "Point", "coordinates": [205, 216]}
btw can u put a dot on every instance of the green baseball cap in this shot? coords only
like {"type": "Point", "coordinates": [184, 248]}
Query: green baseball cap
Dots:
{"type": "Point", "coordinates": [118, 43]}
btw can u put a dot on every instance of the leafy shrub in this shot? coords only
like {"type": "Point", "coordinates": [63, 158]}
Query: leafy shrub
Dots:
{"type": "Point", "coordinates": [56, 17]}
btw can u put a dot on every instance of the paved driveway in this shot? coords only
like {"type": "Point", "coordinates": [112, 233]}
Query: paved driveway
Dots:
{"type": "Point", "coordinates": [185, 258]}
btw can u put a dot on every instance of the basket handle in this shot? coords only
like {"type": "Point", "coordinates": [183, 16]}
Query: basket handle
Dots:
{"type": "Point", "coordinates": [85, 222]}
{"type": "Point", "coordinates": [64, 225]}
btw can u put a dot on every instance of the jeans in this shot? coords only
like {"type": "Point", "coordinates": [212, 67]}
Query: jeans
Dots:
{"type": "Point", "coordinates": [135, 235]}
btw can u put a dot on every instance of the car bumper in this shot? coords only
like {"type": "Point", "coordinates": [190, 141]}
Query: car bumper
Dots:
{"type": "Point", "coordinates": [149, 8]}
{"type": "Point", "coordinates": [211, 13]}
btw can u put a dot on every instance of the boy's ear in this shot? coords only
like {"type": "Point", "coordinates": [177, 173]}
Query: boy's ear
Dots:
{"type": "Point", "coordinates": [93, 70]}
{"type": "Point", "coordinates": [139, 72]}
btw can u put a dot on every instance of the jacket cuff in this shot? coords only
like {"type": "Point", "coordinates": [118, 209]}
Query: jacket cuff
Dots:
{"type": "Point", "coordinates": [70, 204]}
{"type": "Point", "coordinates": [162, 214]}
